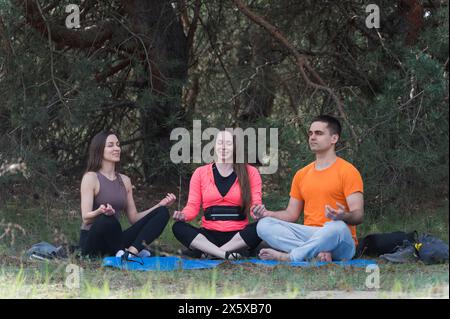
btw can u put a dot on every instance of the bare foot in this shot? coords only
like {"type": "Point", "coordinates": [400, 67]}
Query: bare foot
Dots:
{"type": "Point", "coordinates": [272, 254]}
{"type": "Point", "coordinates": [324, 256]}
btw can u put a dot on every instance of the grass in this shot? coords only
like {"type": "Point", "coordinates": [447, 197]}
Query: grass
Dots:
{"type": "Point", "coordinates": [227, 281]}
{"type": "Point", "coordinates": [58, 222]}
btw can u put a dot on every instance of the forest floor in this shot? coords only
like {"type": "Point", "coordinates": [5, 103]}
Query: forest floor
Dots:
{"type": "Point", "coordinates": [56, 220]}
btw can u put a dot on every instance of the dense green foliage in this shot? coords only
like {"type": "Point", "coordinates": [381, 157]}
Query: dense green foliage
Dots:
{"type": "Point", "coordinates": [56, 94]}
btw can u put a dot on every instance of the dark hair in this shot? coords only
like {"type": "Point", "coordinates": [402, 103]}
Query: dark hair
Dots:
{"type": "Point", "coordinates": [242, 175]}
{"type": "Point", "coordinates": [96, 151]}
{"type": "Point", "coordinates": [333, 123]}
{"type": "Point", "coordinates": [244, 183]}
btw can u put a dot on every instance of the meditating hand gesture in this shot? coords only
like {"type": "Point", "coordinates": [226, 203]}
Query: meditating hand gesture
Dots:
{"type": "Point", "coordinates": [335, 214]}
{"type": "Point", "coordinates": [107, 210]}
{"type": "Point", "coordinates": [259, 211]}
{"type": "Point", "coordinates": [168, 200]}
{"type": "Point", "coordinates": [179, 216]}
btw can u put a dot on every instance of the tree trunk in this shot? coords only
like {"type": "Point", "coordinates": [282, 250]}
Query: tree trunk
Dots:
{"type": "Point", "coordinates": [165, 62]}
{"type": "Point", "coordinates": [259, 95]}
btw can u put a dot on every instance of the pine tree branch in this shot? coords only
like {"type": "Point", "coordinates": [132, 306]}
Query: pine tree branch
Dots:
{"type": "Point", "coordinates": [82, 39]}
{"type": "Point", "coordinates": [301, 60]}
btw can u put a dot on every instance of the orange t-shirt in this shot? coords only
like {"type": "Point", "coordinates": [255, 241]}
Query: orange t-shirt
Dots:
{"type": "Point", "coordinates": [325, 187]}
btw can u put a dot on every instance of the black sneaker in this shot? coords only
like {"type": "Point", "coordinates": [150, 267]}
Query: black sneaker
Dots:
{"type": "Point", "coordinates": [207, 256]}
{"type": "Point", "coordinates": [403, 254]}
{"type": "Point", "coordinates": [232, 255]}
{"type": "Point", "coordinates": [128, 256]}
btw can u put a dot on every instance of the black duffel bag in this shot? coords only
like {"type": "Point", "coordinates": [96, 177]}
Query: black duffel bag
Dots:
{"type": "Point", "coordinates": [382, 243]}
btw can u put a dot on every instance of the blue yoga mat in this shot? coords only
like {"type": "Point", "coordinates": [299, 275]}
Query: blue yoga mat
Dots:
{"type": "Point", "coordinates": [176, 263]}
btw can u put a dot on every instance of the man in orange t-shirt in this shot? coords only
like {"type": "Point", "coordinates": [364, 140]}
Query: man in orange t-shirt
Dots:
{"type": "Point", "coordinates": [330, 192]}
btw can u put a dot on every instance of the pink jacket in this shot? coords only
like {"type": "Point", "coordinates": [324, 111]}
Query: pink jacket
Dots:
{"type": "Point", "coordinates": [203, 191]}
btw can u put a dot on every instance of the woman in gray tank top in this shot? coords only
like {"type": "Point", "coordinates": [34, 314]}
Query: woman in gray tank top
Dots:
{"type": "Point", "coordinates": [105, 194]}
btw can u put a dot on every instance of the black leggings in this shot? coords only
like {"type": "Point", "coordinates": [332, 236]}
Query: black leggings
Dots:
{"type": "Point", "coordinates": [106, 237]}
{"type": "Point", "coordinates": [185, 233]}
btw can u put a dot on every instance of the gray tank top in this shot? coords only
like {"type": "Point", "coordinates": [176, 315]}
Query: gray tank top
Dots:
{"type": "Point", "coordinates": [111, 192]}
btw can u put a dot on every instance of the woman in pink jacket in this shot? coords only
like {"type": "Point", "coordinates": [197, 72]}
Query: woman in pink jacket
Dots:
{"type": "Point", "coordinates": [226, 191]}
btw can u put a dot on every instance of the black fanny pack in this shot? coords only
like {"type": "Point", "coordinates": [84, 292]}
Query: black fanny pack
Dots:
{"type": "Point", "coordinates": [224, 213]}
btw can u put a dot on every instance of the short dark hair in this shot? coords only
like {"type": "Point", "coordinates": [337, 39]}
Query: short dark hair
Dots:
{"type": "Point", "coordinates": [333, 123]}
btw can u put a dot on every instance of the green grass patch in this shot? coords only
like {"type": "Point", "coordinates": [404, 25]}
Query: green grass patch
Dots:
{"type": "Point", "coordinates": [59, 223]}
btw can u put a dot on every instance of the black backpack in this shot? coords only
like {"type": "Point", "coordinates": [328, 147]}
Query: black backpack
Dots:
{"type": "Point", "coordinates": [431, 250]}
{"type": "Point", "coordinates": [428, 249]}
